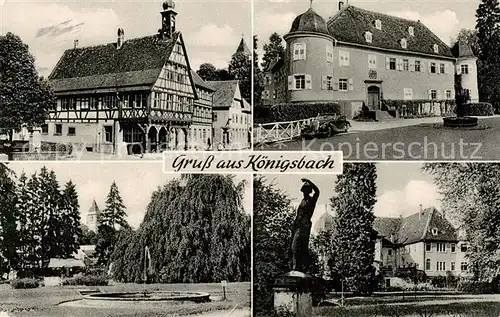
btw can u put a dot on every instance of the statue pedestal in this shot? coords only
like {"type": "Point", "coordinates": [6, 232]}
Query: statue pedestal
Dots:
{"type": "Point", "coordinates": [293, 293]}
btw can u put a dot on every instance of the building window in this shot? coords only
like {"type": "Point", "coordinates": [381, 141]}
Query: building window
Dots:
{"type": "Point", "coordinates": [441, 247]}
{"type": "Point", "coordinates": [448, 94]}
{"type": "Point", "coordinates": [71, 131]}
{"type": "Point", "coordinates": [463, 266]}
{"type": "Point", "coordinates": [108, 133]}
{"type": "Point", "coordinates": [58, 129]}
{"type": "Point", "coordinates": [368, 37]}
{"type": "Point", "coordinates": [300, 82]}
{"type": "Point", "coordinates": [406, 66]}
{"type": "Point", "coordinates": [428, 264]}
{"type": "Point", "coordinates": [389, 252]}
{"type": "Point", "coordinates": [378, 24]}
{"type": "Point", "coordinates": [299, 51]}
{"type": "Point", "coordinates": [404, 43]}
{"type": "Point", "coordinates": [436, 48]}
{"type": "Point", "coordinates": [45, 128]}
{"type": "Point", "coordinates": [411, 31]}
{"type": "Point", "coordinates": [440, 266]}
{"type": "Point", "coordinates": [464, 69]}
{"type": "Point", "coordinates": [329, 54]}
{"type": "Point", "coordinates": [434, 97]}
{"type": "Point", "coordinates": [463, 247]}
{"type": "Point", "coordinates": [433, 68]}
{"type": "Point", "coordinates": [408, 94]}
{"type": "Point", "coordinates": [343, 58]}
{"type": "Point", "coordinates": [342, 84]}
{"type": "Point", "coordinates": [453, 266]}
{"type": "Point", "coordinates": [453, 247]}
{"type": "Point", "coordinates": [428, 247]}
{"type": "Point", "coordinates": [329, 82]}
{"type": "Point", "coordinates": [392, 64]}
{"type": "Point", "coordinates": [418, 67]}
{"type": "Point", "coordinates": [442, 69]}
{"type": "Point", "coordinates": [372, 61]}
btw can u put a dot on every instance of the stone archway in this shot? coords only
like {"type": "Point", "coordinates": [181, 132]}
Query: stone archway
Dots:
{"type": "Point", "coordinates": [152, 140]}
{"type": "Point", "coordinates": [162, 139]}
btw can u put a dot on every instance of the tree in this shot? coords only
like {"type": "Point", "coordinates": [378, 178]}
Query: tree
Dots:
{"type": "Point", "coordinates": [258, 77]}
{"type": "Point", "coordinates": [114, 213]}
{"type": "Point", "coordinates": [470, 37]}
{"type": "Point", "coordinates": [24, 97]}
{"type": "Point", "coordinates": [8, 217]}
{"type": "Point", "coordinates": [70, 220]}
{"type": "Point", "coordinates": [353, 241]}
{"type": "Point", "coordinates": [487, 22]}
{"type": "Point", "coordinates": [272, 50]}
{"type": "Point", "coordinates": [208, 72]}
{"type": "Point", "coordinates": [272, 226]}
{"type": "Point", "coordinates": [240, 68]}
{"type": "Point", "coordinates": [88, 237]}
{"type": "Point", "coordinates": [471, 195]}
{"type": "Point", "coordinates": [196, 231]}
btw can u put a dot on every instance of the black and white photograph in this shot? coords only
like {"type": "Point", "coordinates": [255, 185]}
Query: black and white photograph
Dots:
{"type": "Point", "coordinates": [378, 80]}
{"type": "Point", "coordinates": [124, 79]}
{"type": "Point", "coordinates": [382, 239]}
{"type": "Point", "coordinates": [130, 241]}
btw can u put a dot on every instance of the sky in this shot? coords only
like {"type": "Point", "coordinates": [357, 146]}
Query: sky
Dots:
{"type": "Point", "coordinates": [401, 188]}
{"type": "Point", "coordinates": [444, 17]}
{"type": "Point", "coordinates": [211, 30]}
{"type": "Point", "coordinates": [136, 183]}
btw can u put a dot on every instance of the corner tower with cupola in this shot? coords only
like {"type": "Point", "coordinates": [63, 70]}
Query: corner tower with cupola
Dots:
{"type": "Point", "coordinates": [466, 68]}
{"type": "Point", "coordinates": [309, 59]}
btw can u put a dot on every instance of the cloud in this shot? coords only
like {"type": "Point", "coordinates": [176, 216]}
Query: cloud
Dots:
{"type": "Point", "coordinates": [267, 23]}
{"type": "Point", "coordinates": [51, 28]}
{"type": "Point", "coordinates": [444, 24]}
{"type": "Point", "coordinates": [406, 201]}
{"type": "Point", "coordinates": [212, 35]}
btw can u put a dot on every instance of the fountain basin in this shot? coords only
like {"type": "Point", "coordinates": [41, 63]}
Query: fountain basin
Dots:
{"type": "Point", "coordinates": [150, 296]}
{"type": "Point", "coordinates": [456, 122]}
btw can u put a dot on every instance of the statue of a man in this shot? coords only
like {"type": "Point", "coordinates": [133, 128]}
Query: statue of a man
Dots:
{"type": "Point", "coordinates": [301, 228]}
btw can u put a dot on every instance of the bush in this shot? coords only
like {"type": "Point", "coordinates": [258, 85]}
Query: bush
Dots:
{"type": "Point", "coordinates": [24, 283]}
{"type": "Point", "coordinates": [476, 287]}
{"type": "Point", "coordinates": [300, 111]}
{"type": "Point", "coordinates": [479, 109]}
{"type": "Point", "coordinates": [57, 147]}
{"type": "Point", "coordinates": [416, 108]}
{"type": "Point", "coordinates": [86, 280]}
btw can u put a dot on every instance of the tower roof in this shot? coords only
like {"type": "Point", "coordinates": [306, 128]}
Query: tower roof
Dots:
{"type": "Point", "coordinates": [243, 48]}
{"type": "Point", "coordinates": [94, 209]}
{"type": "Point", "coordinates": [309, 21]}
{"type": "Point", "coordinates": [462, 49]}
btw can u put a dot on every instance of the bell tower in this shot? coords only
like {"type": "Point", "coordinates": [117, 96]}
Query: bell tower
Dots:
{"type": "Point", "coordinates": [168, 19]}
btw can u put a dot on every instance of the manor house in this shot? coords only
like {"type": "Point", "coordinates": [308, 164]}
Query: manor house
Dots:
{"type": "Point", "coordinates": [360, 56]}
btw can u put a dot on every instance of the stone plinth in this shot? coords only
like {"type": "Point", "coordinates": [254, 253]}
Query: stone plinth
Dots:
{"type": "Point", "coordinates": [456, 122]}
{"type": "Point", "coordinates": [293, 293]}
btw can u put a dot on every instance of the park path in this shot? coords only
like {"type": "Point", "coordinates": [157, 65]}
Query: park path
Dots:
{"type": "Point", "coordinates": [224, 313]}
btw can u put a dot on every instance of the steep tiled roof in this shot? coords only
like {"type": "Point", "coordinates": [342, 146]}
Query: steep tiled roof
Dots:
{"type": "Point", "coordinates": [243, 48]}
{"type": "Point", "coordinates": [246, 106]}
{"type": "Point", "coordinates": [94, 209]}
{"type": "Point", "coordinates": [309, 21]}
{"type": "Point", "coordinates": [198, 81]}
{"type": "Point", "coordinates": [462, 49]}
{"type": "Point", "coordinates": [138, 62]}
{"type": "Point", "coordinates": [224, 92]}
{"type": "Point", "coordinates": [416, 227]}
{"type": "Point", "coordinates": [350, 24]}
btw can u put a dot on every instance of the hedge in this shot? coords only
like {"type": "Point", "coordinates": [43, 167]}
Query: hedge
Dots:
{"type": "Point", "coordinates": [479, 109]}
{"type": "Point", "coordinates": [300, 111]}
{"type": "Point", "coordinates": [57, 147]}
{"type": "Point", "coordinates": [86, 280]}
{"type": "Point", "coordinates": [473, 287]}
{"type": "Point", "coordinates": [24, 283]}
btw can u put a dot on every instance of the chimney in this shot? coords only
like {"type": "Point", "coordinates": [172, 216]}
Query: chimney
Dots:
{"type": "Point", "coordinates": [341, 5]}
{"type": "Point", "coordinates": [420, 212]}
{"type": "Point", "coordinates": [75, 44]}
{"type": "Point", "coordinates": [119, 41]}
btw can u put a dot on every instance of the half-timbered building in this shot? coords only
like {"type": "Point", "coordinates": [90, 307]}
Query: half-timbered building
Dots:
{"type": "Point", "coordinates": [131, 96]}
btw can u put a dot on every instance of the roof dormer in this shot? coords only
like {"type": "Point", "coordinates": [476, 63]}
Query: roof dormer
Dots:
{"type": "Point", "coordinates": [435, 47]}
{"type": "Point", "coordinates": [411, 31]}
{"type": "Point", "coordinates": [368, 36]}
{"type": "Point", "coordinates": [404, 43]}
{"type": "Point", "coordinates": [378, 24]}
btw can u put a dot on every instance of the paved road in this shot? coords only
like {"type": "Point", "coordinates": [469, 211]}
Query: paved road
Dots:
{"type": "Point", "coordinates": [428, 141]}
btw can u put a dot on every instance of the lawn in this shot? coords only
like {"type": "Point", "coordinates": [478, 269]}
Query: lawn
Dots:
{"type": "Point", "coordinates": [43, 302]}
{"type": "Point", "coordinates": [477, 309]}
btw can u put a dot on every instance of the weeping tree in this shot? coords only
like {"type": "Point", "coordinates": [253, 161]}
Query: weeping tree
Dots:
{"type": "Point", "coordinates": [196, 231]}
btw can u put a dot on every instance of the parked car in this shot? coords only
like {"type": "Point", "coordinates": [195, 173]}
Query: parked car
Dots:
{"type": "Point", "coordinates": [325, 125]}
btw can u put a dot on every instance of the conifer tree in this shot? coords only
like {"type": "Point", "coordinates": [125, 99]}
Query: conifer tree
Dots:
{"type": "Point", "coordinates": [353, 238]}
{"type": "Point", "coordinates": [488, 32]}
{"type": "Point", "coordinates": [114, 214]}
{"type": "Point", "coordinates": [8, 217]}
{"type": "Point", "coordinates": [70, 220]}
